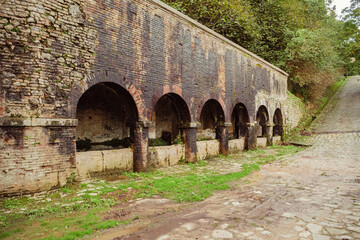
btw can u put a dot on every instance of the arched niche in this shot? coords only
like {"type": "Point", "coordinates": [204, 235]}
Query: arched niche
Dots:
{"type": "Point", "coordinates": [212, 115]}
{"type": "Point", "coordinates": [107, 115]}
{"type": "Point", "coordinates": [240, 120]}
{"type": "Point", "coordinates": [170, 115]}
{"type": "Point", "coordinates": [278, 123]}
{"type": "Point", "coordinates": [262, 119]}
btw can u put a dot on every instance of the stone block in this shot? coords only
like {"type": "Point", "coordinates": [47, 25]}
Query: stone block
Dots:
{"type": "Point", "coordinates": [236, 145]}
{"type": "Point", "coordinates": [276, 139]}
{"type": "Point", "coordinates": [209, 148]}
{"type": "Point", "coordinates": [166, 155]}
{"type": "Point", "coordinates": [206, 134]}
{"type": "Point", "coordinates": [120, 159]}
{"type": "Point", "coordinates": [89, 162]}
{"type": "Point", "coordinates": [261, 142]}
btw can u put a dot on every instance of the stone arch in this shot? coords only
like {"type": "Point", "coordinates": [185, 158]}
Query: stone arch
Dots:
{"type": "Point", "coordinates": [102, 77]}
{"type": "Point", "coordinates": [170, 115]}
{"type": "Point", "coordinates": [240, 119]}
{"type": "Point", "coordinates": [107, 117]}
{"type": "Point", "coordinates": [262, 119]}
{"type": "Point", "coordinates": [278, 123]}
{"type": "Point", "coordinates": [212, 116]}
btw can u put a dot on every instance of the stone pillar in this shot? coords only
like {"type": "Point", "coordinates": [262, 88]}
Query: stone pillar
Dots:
{"type": "Point", "coordinates": [223, 134]}
{"type": "Point", "coordinates": [141, 145]}
{"type": "Point", "coordinates": [252, 136]}
{"type": "Point", "coordinates": [190, 142]}
{"type": "Point", "coordinates": [246, 134]}
{"type": "Point", "coordinates": [269, 134]}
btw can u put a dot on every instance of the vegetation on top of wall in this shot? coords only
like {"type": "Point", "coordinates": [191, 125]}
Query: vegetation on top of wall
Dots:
{"type": "Point", "coordinates": [156, 142]}
{"type": "Point", "coordinates": [302, 37]}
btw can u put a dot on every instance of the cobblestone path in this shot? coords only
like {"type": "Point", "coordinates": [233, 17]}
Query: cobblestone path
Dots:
{"type": "Point", "coordinates": [313, 195]}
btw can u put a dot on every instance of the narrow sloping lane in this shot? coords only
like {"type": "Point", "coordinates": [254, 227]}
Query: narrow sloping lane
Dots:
{"type": "Point", "coordinates": [344, 112]}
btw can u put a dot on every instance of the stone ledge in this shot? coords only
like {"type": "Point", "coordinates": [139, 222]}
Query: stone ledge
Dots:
{"type": "Point", "coordinates": [37, 122]}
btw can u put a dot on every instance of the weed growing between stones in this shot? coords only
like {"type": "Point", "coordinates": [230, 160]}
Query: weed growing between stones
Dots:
{"type": "Point", "coordinates": [77, 210]}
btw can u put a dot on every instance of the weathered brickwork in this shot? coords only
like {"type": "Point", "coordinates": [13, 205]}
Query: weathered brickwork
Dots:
{"type": "Point", "coordinates": [52, 51]}
{"type": "Point", "coordinates": [35, 158]}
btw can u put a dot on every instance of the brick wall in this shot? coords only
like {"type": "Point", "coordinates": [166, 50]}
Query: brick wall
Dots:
{"type": "Point", "coordinates": [35, 158]}
{"type": "Point", "coordinates": [52, 51]}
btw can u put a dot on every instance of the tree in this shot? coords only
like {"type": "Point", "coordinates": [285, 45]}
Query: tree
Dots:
{"type": "Point", "coordinates": [233, 19]}
{"type": "Point", "coordinates": [352, 42]}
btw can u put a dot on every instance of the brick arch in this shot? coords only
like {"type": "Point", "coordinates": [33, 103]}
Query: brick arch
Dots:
{"type": "Point", "coordinates": [279, 115]}
{"type": "Point", "coordinates": [246, 110]}
{"type": "Point", "coordinates": [263, 109]}
{"type": "Point", "coordinates": [239, 118]}
{"type": "Point", "coordinates": [278, 121]}
{"type": "Point", "coordinates": [239, 101]}
{"type": "Point", "coordinates": [167, 89]}
{"type": "Point", "coordinates": [208, 97]}
{"type": "Point", "coordinates": [276, 106]}
{"type": "Point", "coordinates": [80, 89]}
{"type": "Point", "coordinates": [263, 118]}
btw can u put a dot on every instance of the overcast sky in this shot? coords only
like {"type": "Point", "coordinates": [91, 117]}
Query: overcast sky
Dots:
{"type": "Point", "coordinates": [341, 4]}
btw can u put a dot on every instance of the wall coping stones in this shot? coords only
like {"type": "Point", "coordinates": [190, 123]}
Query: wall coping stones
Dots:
{"type": "Point", "coordinates": [37, 122]}
{"type": "Point", "coordinates": [208, 30]}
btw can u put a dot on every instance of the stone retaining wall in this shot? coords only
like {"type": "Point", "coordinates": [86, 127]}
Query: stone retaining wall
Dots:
{"type": "Point", "coordinates": [236, 145]}
{"type": "Point", "coordinates": [97, 163]}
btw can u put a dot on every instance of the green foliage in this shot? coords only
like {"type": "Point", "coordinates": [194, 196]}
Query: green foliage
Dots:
{"type": "Point", "coordinates": [4, 235]}
{"type": "Point", "coordinates": [352, 34]}
{"type": "Point", "coordinates": [312, 47]}
{"type": "Point", "coordinates": [178, 140]}
{"type": "Point", "coordinates": [235, 19]}
{"type": "Point", "coordinates": [157, 142]}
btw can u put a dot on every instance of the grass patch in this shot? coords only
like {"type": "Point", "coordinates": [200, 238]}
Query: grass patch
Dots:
{"type": "Point", "coordinates": [78, 227]}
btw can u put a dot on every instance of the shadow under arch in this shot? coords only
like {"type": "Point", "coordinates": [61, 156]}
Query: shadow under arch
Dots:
{"type": "Point", "coordinates": [278, 123]}
{"type": "Point", "coordinates": [215, 97]}
{"type": "Point", "coordinates": [106, 77]}
{"type": "Point", "coordinates": [211, 116]}
{"type": "Point", "coordinates": [240, 120]}
{"type": "Point", "coordinates": [262, 119]}
{"type": "Point", "coordinates": [170, 115]}
{"type": "Point", "coordinates": [107, 116]}
{"type": "Point", "coordinates": [172, 90]}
